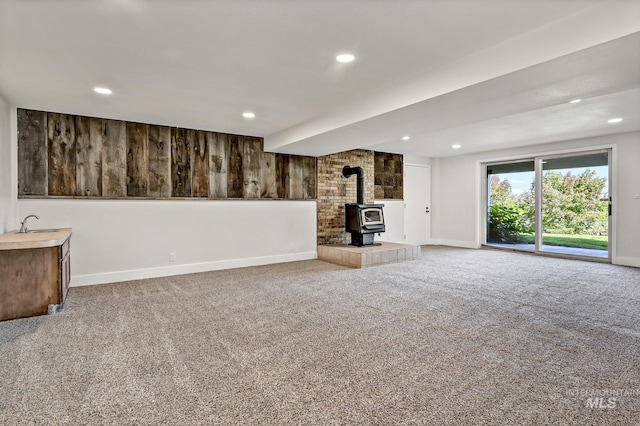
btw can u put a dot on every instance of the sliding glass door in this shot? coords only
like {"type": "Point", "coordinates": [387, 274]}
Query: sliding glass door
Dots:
{"type": "Point", "coordinates": [575, 204]}
{"type": "Point", "coordinates": [511, 204]}
{"type": "Point", "coordinates": [552, 204]}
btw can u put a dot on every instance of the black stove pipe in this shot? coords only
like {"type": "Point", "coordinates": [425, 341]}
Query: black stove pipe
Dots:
{"type": "Point", "coordinates": [348, 171]}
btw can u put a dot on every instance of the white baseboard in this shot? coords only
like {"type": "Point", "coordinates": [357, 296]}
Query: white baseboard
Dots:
{"type": "Point", "coordinates": [626, 261]}
{"type": "Point", "coordinates": [454, 243]}
{"type": "Point", "coordinates": [165, 271]}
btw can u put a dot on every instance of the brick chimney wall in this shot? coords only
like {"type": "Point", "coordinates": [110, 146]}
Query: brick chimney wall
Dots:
{"type": "Point", "coordinates": [334, 191]}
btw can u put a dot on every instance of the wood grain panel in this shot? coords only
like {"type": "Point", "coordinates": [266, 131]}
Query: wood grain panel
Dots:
{"type": "Point", "coordinates": [378, 192]}
{"type": "Point", "coordinates": [251, 157]}
{"type": "Point", "coordinates": [296, 176]}
{"type": "Point", "coordinates": [137, 159]}
{"type": "Point", "coordinates": [235, 175]}
{"type": "Point", "coordinates": [218, 162]}
{"type": "Point", "coordinates": [389, 185]}
{"type": "Point", "coordinates": [159, 161]}
{"type": "Point", "coordinates": [89, 134]}
{"type": "Point", "coordinates": [398, 190]}
{"type": "Point", "coordinates": [268, 186]}
{"type": "Point", "coordinates": [282, 176]}
{"type": "Point", "coordinates": [399, 172]}
{"type": "Point", "coordinates": [32, 152]}
{"type": "Point", "coordinates": [30, 282]}
{"type": "Point", "coordinates": [388, 175]}
{"type": "Point", "coordinates": [114, 159]}
{"type": "Point", "coordinates": [309, 177]}
{"type": "Point", "coordinates": [61, 136]}
{"type": "Point", "coordinates": [65, 155]}
{"type": "Point", "coordinates": [200, 159]}
{"type": "Point", "coordinates": [181, 141]}
{"type": "Point", "coordinates": [378, 168]}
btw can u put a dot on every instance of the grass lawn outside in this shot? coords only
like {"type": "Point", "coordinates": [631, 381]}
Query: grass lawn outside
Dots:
{"type": "Point", "coordinates": [595, 242]}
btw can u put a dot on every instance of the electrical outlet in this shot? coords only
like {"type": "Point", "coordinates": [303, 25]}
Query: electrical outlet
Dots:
{"type": "Point", "coordinates": [172, 257]}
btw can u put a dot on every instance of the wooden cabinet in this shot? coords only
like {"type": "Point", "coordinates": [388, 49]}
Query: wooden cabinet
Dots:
{"type": "Point", "coordinates": [34, 281]}
{"type": "Point", "coordinates": [65, 270]}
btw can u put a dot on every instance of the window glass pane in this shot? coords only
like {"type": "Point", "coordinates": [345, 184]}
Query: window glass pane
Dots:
{"type": "Point", "coordinates": [575, 205]}
{"type": "Point", "coordinates": [511, 205]}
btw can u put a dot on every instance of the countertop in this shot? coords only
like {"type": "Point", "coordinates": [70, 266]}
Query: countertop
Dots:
{"type": "Point", "coordinates": [30, 240]}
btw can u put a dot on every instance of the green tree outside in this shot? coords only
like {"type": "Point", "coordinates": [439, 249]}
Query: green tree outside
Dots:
{"type": "Point", "coordinates": [572, 204]}
{"type": "Point", "coordinates": [510, 215]}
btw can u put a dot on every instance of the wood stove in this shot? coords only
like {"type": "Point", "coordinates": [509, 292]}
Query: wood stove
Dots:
{"type": "Point", "coordinates": [362, 220]}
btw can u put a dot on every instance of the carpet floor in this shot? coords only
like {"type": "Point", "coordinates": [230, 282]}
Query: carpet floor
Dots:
{"type": "Point", "coordinates": [457, 337]}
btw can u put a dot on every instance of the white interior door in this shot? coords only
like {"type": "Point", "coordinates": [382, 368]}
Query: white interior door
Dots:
{"type": "Point", "coordinates": [417, 199]}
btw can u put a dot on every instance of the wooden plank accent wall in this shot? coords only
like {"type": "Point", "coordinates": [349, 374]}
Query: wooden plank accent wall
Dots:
{"type": "Point", "coordinates": [251, 150]}
{"type": "Point", "coordinates": [268, 187]}
{"type": "Point", "coordinates": [181, 142]}
{"type": "Point", "coordinates": [388, 176]}
{"type": "Point", "coordinates": [159, 161]}
{"type": "Point", "coordinates": [218, 160]}
{"type": "Point", "coordinates": [61, 139]}
{"type": "Point", "coordinates": [62, 155]}
{"type": "Point", "coordinates": [114, 159]}
{"type": "Point", "coordinates": [308, 177]}
{"type": "Point", "coordinates": [296, 174]}
{"type": "Point", "coordinates": [89, 134]}
{"type": "Point", "coordinates": [200, 157]}
{"type": "Point", "coordinates": [234, 171]}
{"type": "Point", "coordinates": [32, 152]}
{"type": "Point", "coordinates": [137, 159]}
{"type": "Point", "coordinates": [282, 175]}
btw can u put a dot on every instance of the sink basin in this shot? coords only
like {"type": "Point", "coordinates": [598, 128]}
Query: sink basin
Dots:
{"type": "Point", "coordinates": [34, 231]}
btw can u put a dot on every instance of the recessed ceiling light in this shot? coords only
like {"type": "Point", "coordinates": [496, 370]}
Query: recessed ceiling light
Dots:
{"type": "Point", "coordinates": [345, 57]}
{"type": "Point", "coordinates": [102, 90]}
{"type": "Point", "coordinates": [615, 120]}
{"type": "Point", "coordinates": [248, 114]}
{"type": "Point", "coordinates": [456, 146]}
{"type": "Point", "coordinates": [405, 138]}
{"type": "Point", "coordinates": [575, 101]}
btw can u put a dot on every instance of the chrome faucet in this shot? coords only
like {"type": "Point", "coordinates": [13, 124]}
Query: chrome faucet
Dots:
{"type": "Point", "coordinates": [23, 228]}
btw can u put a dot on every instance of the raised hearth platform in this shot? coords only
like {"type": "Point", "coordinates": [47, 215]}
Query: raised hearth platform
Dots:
{"type": "Point", "coordinates": [364, 257]}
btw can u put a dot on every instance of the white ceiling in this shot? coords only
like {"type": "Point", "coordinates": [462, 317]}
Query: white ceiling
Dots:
{"type": "Point", "coordinates": [526, 107]}
{"type": "Point", "coordinates": [483, 73]}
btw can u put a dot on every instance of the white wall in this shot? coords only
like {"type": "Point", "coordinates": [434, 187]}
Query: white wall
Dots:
{"type": "Point", "coordinates": [627, 200]}
{"type": "Point", "coordinates": [453, 195]}
{"type": "Point", "coordinates": [393, 221]}
{"type": "Point", "coordinates": [7, 170]}
{"type": "Point", "coordinates": [416, 159]}
{"type": "Point", "coordinates": [120, 240]}
{"type": "Point", "coordinates": [456, 198]}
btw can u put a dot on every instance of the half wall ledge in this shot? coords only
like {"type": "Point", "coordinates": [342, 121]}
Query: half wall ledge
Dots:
{"type": "Point", "coordinates": [365, 257]}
